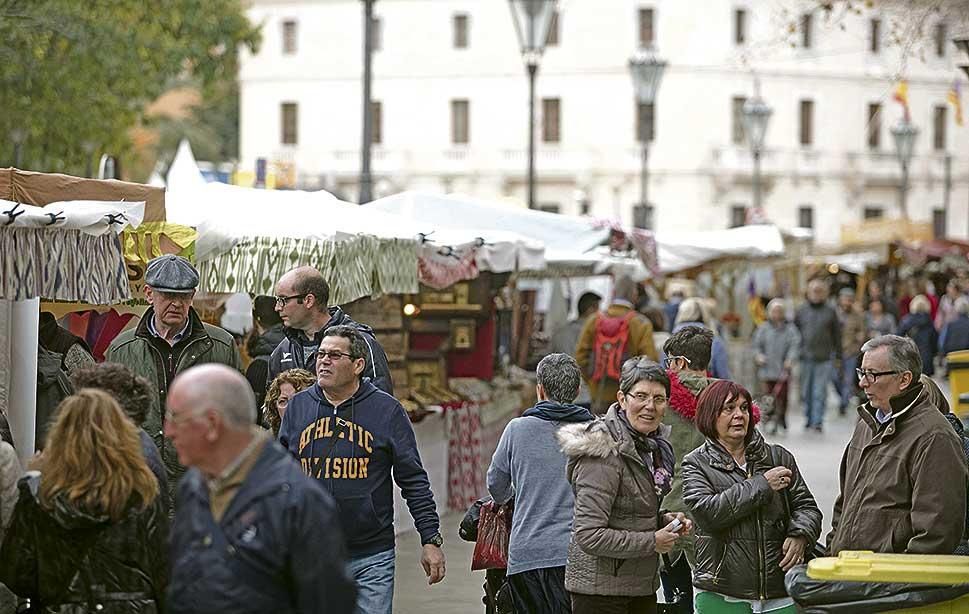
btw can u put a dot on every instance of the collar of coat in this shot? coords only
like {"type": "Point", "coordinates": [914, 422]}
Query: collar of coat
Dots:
{"type": "Point", "coordinates": [683, 394]}
{"type": "Point", "coordinates": [756, 452]}
{"type": "Point", "coordinates": [602, 438]}
{"type": "Point", "coordinates": [901, 405]}
{"type": "Point", "coordinates": [196, 328]}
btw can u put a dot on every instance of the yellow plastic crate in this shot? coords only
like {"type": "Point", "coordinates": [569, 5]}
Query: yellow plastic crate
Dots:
{"type": "Point", "coordinates": [866, 566]}
{"type": "Point", "coordinates": [958, 363]}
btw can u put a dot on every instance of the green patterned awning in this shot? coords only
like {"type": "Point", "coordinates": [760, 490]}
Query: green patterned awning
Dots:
{"type": "Point", "coordinates": [357, 267]}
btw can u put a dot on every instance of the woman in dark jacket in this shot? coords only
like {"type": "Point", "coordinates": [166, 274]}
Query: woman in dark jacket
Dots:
{"type": "Point", "coordinates": [918, 325]}
{"type": "Point", "coordinates": [88, 533]}
{"type": "Point", "coordinates": [755, 517]}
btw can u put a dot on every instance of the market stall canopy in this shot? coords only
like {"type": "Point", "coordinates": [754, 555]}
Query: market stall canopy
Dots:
{"type": "Point", "coordinates": [679, 251]}
{"type": "Point", "coordinates": [66, 250]}
{"type": "Point", "coordinates": [852, 262]}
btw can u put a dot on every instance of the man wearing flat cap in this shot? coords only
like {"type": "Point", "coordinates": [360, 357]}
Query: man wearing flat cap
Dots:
{"type": "Point", "coordinates": [169, 339]}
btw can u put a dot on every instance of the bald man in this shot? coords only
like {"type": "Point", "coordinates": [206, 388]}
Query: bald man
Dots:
{"type": "Point", "coordinates": [251, 534]}
{"type": "Point", "coordinates": [302, 300]}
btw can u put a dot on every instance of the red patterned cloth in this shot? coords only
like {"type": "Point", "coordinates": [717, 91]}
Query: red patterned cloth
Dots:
{"type": "Point", "coordinates": [442, 271]}
{"type": "Point", "coordinates": [466, 471]}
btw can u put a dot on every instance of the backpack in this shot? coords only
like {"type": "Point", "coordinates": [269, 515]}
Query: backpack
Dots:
{"type": "Point", "coordinates": [612, 336]}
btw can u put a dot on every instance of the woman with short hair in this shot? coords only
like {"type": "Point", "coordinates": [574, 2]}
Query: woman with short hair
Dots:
{"type": "Point", "coordinates": [280, 391]}
{"type": "Point", "coordinates": [919, 327]}
{"type": "Point", "coordinates": [620, 467]}
{"type": "Point", "coordinates": [755, 517]}
{"type": "Point", "coordinates": [88, 533]}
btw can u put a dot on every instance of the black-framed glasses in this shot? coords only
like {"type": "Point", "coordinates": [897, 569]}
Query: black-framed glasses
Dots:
{"type": "Point", "coordinates": [332, 355]}
{"type": "Point", "coordinates": [282, 300]}
{"type": "Point", "coordinates": [872, 376]}
{"type": "Point", "coordinates": [669, 360]}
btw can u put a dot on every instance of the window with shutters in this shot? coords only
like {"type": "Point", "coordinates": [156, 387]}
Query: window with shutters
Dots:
{"type": "Point", "coordinates": [551, 120]}
{"type": "Point", "coordinates": [939, 121]}
{"type": "Point", "coordinates": [807, 30]}
{"type": "Point", "coordinates": [875, 35]}
{"type": "Point", "coordinates": [873, 212]}
{"type": "Point", "coordinates": [739, 26]}
{"type": "Point", "coordinates": [645, 122]}
{"type": "Point", "coordinates": [874, 125]}
{"type": "Point", "coordinates": [807, 123]}
{"type": "Point", "coordinates": [941, 35]}
{"type": "Point", "coordinates": [289, 119]}
{"type": "Point", "coordinates": [938, 223]}
{"type": "Point", "coordinates": [460, 26]}
{"type": "Point", "coordinates": [460, 116]}
{"type": "Point", "coordinates": [290, 33]}
{"type": "Point", "coordinates": [376, 122]}
{"type": "Point", "coordinates": [805, 216]}
{"type": "Point", "coordinates": [738, 216]}
{"type": "Point", "coordinates": [737, 120]}
{"type": "Point", "coordinates": [643, 216]}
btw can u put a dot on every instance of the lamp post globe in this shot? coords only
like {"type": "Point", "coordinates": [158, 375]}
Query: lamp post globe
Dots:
{"type": "Point", "coordinates": [533, 19]}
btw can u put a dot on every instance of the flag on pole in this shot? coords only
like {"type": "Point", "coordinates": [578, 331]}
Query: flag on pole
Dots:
{"type": "Point", "coordinates": [955, 99]}
{"type": "Point", "coordinates": [901, 96]}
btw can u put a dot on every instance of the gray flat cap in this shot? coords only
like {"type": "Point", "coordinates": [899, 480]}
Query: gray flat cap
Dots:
{"type": "Point", "coordinates": [171, 273]}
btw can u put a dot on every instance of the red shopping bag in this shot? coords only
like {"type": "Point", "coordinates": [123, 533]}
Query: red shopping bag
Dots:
{"type": "Point", "coordinates": [494, 527]}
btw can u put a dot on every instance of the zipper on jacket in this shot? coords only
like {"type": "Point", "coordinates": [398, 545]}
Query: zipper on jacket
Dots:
{"type": "Point", "coordinates": [761, 551]}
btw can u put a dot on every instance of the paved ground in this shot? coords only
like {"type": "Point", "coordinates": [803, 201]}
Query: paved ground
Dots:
{"type": "Point", "coordinates": [818, 456]}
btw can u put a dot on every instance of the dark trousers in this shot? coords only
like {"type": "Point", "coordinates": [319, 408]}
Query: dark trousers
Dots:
{"type": "Point", "coordinates": [540, 591]}
{"type": "Point", "coordinates": [678, 579]}
{"type": "Point", "coordinates": [602, 604]}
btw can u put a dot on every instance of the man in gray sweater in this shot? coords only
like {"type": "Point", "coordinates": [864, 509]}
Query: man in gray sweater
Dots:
{"type": "Point", "coordinates": [529, 467]}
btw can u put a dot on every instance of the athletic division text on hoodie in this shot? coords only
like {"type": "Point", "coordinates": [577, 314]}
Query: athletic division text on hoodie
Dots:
{"type": "Point", "coordinates": [351, 450]}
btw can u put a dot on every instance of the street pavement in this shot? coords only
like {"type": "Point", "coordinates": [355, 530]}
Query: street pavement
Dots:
{"type": "Point", "coordinates": [818, 456]}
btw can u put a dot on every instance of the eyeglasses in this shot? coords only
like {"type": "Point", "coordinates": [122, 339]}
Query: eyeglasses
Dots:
{"type": "Point", "coordinates": [333, 355]}
{"type": "Point", "coordinates": [182, 418]}
{"type": "Point", "coordinates": [647, 399]}
{"type": "Point", "coordinates": [670, 360]}
{"type": "Point", "coordinates": [872, 376]}
{"type": "Point", "coordinates": [282, 300]}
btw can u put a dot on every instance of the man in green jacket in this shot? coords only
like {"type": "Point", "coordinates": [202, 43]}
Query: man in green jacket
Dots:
{"type": "Point", "coordinates": [170, 338]}
{"type": "Point", "coordinates": [688, 352]}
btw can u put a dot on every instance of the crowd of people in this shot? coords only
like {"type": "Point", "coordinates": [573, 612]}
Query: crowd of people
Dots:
{"type": "Point", "coordinates": [168, 481]}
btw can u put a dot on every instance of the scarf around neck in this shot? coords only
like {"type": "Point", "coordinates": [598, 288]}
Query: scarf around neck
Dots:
{"type": "Point", "coordinates": [559, 412]}
{"type": "Point", "coordinates": [655, 452]}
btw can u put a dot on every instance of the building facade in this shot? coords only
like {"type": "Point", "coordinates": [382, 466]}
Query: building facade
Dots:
{"type": "Point", "coordinates": [450, 108]}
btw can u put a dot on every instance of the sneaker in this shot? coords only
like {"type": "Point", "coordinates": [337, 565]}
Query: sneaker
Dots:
{"type": "Point", "coordinates": [817, 427]}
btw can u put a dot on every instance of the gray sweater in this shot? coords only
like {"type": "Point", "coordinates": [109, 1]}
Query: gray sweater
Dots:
{"type": "Point", "coordinates": [529, 465]}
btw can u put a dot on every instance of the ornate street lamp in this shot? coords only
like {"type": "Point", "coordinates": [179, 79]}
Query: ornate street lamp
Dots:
{"type": "Point", "coordinates": [532, 18]}
{"type": "Point", "coordinates": [756, 116]}
{"type": "Point", "coordinates": [647, 72]}
{"type": "Point", "coordinates": [904, 133]}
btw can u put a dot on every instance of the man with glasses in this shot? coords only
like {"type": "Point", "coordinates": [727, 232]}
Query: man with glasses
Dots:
{"type": "Point", "coordinates": [170, 338]}
{"type": "Point", "coordinates": [357, 441]}
{"type": "Point", "coordinates": [302, 300]}
{"type": "Point", "coordinates": [903, 474]}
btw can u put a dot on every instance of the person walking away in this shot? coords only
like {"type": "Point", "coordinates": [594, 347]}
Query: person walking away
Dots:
{"type": "Point", "coordinates": [918, 325]}
{"type": "Point", "coordinates": [88, 533]}
{"type": "Point", "coordinates": [267, 332]}
{"type": "Point", "coordinates": [687, 353]}
{"type": "Point", "coordinates": [281, 391]}
{"type": "Point", "coordinates": [529, 466]}
{"type": "Point", "coordinates": [357, 441]}
{"type": "Point", "coordinates": [755, 517]}
{"type": "Point", "coordinates": [955, 335]}
{"type": "Point", "coordinates": [302, 299]}
{"type": "Point", "coordinates": [877, 321]}
{"type": "Point", "coordinates": [947, 305]}
{"type": "Point", "coordinates": [692, 312]}
{"type": "Point", "coordinates": [852, 336]}
{"type": "Point", "coordinates": [566, 339]}
{"type": "Point", "coordinates": [776, 343]}
{"type": "Point", "coordinates": [610, 338]}
{"type": "Point", "coordinates": [903, 474]}
{"type": "Point", "coordinates": [621, 467]}
{"type": "Point", "coordinates": [820, 341]}
{"type": "Point", "coordinates": [133, 393]}
{"type": "Point", "coordinates": [170, 338]}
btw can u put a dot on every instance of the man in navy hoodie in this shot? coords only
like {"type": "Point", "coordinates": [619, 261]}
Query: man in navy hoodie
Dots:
{"type": "Point", "coordinates": [352, 437]}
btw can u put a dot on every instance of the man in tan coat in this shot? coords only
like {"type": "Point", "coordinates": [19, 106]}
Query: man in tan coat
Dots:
{"type": "Point", "coordinates": [903, 474]}
{"type": "Point", "coordinates": [608, 339]}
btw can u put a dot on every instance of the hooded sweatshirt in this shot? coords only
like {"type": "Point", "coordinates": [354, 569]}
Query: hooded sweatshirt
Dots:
{"type": "Point", "coordinates": [297, 351]}
{"type": "Point", "coordinates": [351, 449]}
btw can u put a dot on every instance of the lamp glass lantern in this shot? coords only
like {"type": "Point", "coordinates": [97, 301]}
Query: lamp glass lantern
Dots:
{"type": "Point", "coordinates": [647, 72]}
{"type": "Point", "coordinates": [904, 133]}
{"type": "Point", "coordinates": [533, 18]}
{"type": "Point", "coordinates": [756, 115]}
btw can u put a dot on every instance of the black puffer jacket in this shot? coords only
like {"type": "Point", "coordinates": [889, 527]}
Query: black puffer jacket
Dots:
{"type": "Point", "coordinates": [741, 524]}
{"type": "Point", "coordinates": [73, 562]}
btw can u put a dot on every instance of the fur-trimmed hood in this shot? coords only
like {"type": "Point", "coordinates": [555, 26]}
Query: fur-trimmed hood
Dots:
{"type": "Point", "coordinates": [600, 438]}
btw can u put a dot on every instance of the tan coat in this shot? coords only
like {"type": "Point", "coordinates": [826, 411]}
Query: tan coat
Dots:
{"type": "Point", "coordinates": [612, 549]}
{"type": "Point", "coordinates": [640, 343]}
{"type": "Point", "coordinates": [903, 485]}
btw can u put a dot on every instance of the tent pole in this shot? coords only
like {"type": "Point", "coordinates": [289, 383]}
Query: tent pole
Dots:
{"type": "Point", "coordinates": [22, 410]}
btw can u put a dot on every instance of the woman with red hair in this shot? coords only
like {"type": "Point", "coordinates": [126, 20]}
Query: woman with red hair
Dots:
{"type": "Point", "coordinates": [755, 517]}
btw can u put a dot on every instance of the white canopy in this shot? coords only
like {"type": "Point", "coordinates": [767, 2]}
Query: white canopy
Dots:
{"type": "Point", "coordinates": [679, 251]}
{"type": "Point", "coordinates": [92, 217]}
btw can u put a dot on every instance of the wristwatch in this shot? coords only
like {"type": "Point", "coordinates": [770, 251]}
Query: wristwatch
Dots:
{"type": "Point", "coordinates": [434, 540]}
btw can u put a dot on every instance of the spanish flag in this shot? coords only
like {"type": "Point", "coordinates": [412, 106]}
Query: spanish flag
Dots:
{"type": "Point", "coordinates": [955, 99]}
{"type": "Point", "coordinates": [901, 96]}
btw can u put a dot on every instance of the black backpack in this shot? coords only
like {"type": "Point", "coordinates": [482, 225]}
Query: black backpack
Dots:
{"type": "Point", "coordinates": [53, 386]}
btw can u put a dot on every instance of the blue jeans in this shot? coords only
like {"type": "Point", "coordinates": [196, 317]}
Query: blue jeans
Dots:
{"type": "Point", "coordinates": [815, 376]}
{"type": "Point", "coordinates": [374, 575]}
{"type": "Point", "coordinates": [846, 380]}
